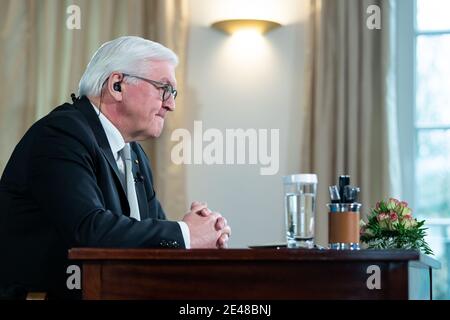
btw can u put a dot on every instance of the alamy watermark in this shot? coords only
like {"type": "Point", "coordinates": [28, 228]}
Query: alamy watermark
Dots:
{"type": "Point", "coordinates": [74, 279]}
{"type": "Point", "coordinates": [73, 21]}
{"type": "Point", "coordinates": [374, 19]}
{"type": "Point", "coordinates": [236, 146]}
{"type": "Point", "coordinates": [374, 280]}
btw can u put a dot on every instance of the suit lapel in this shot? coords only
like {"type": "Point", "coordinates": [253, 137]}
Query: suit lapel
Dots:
{"type": "Point", "coordinates": [85, 107]}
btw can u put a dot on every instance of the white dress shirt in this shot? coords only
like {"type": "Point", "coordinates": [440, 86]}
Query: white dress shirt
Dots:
{"type": "Point", "coordinates": [116, 142]}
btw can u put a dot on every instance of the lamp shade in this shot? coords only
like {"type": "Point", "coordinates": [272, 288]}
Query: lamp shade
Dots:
{"type": "Point", "coordinates": [231, 26]}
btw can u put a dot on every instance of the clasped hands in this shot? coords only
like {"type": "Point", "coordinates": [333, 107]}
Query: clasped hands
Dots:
{"type": "Point", "coordinates": [207, 229]}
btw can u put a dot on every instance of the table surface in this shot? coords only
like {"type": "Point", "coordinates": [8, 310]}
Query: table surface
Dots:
{"type": "Point", "coordinates": [99, 254]}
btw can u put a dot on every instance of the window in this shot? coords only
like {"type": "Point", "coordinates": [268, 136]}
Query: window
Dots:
{"type": "Point", "coordinates": [424, 113]}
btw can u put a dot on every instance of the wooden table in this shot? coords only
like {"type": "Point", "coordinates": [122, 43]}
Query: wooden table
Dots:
{"type": "Point", "coordinates": [253, 274]}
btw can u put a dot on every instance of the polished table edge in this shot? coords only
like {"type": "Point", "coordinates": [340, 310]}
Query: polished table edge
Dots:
{"type": "Point", "coordinates": [283, 254]}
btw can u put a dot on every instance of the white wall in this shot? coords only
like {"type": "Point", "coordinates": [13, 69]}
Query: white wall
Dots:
{"type": "Point", "coordinates": [247, 85]}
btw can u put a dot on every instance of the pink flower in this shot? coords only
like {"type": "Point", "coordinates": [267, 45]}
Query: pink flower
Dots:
{"type": "Point", "coordinates": [382, 216]}
{"type": "Point", "coordinates": [393, 200]}
{"type": "Point", "coordinates": [393, 216]}
{"type": "Point", "coordinates": [392, 204]}
{"type": "Point", "coordinates": [404, 204]}
{"type": "Point", "coordinates": [407, 216]}
{"type": "Point", "coordinates": [406, 212]}
{"type": "Point", "coordinates": [383, 220]}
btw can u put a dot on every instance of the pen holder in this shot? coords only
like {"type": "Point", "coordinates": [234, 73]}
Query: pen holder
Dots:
{"type": "Point", "coordinates": [343, 226]}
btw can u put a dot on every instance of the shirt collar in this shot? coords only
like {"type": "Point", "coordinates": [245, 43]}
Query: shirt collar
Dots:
{"type": "Point", "coordinates": [115, 139]}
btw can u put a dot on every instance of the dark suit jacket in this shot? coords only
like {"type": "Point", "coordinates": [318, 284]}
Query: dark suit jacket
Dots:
{"type": "Point", "coordinates": [61, 189]}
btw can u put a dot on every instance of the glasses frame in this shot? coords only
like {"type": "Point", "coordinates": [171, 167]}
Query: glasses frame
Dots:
{"type": "Point", "coordinates": [168, 89]}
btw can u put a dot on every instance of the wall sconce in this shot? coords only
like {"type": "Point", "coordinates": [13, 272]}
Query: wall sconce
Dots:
{"type": "Point", "coordinates": [231, 26]}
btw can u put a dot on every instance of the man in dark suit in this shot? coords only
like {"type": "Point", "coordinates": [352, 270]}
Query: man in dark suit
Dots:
{"type": "Point", "coordinates": [78, 178]}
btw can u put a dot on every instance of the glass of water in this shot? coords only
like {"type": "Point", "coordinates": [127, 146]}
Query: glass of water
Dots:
{"type": "Point", "coordinates": [300, 206]}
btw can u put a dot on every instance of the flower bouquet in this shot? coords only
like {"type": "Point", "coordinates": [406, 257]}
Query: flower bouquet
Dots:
{"type": "Point", "coordinates": [391, 226]}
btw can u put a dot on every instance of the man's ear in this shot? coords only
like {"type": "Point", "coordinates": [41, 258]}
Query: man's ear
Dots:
{"type": "Point", "coordinates": [115, 86]}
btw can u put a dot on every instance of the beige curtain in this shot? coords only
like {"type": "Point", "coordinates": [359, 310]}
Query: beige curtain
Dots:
{"type": "Point", "coordinates": [349, 122]}
{"type": "Point", "coordinates": [42, 61]}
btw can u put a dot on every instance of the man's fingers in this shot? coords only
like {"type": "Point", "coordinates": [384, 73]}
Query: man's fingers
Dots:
{"type": "Point", "coordinates": [222, 242]}
{"type": "Point", "coordinates": [200, 208]}
{"type": "Point", "coordinates": [226, 231]}
{"type": "Point", "coordinates": [198, 204]}
{"type": "Point", "coordinates": [220, 223]}
{"type": "Point", "coordinates": [195, 204]}
{"type": "Point", "coordinates": [204, 212]}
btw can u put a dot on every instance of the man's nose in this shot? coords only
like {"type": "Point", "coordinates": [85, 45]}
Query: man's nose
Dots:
{"type": "Point", "coordinates": [169, 104]}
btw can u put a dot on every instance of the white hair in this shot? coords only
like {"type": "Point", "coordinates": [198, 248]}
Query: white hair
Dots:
{"type": "Point", "coordinates": [124, 54]}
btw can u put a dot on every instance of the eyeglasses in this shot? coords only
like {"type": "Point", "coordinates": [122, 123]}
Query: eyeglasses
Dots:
{"type": "Point", "coordinates": [167, 88]}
